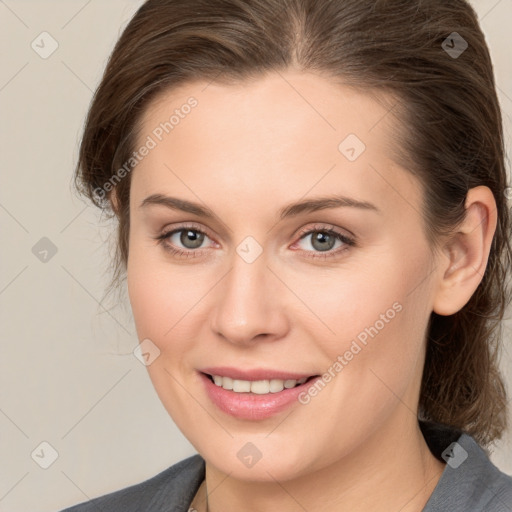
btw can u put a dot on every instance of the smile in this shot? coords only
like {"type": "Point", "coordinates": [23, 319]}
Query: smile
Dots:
{"type": "Point", "coordinates": [259, 387]}
{"type": "Point", "coordinates": [254, 394]}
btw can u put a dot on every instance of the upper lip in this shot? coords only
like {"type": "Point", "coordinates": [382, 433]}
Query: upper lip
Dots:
{"type": "Point", "coordinates": [254, 374]}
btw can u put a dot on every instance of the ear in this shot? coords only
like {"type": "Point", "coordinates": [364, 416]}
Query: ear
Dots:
{"type": "Point", "coordinates": [114, 201]}
{"type": "Point", "coordinates": [466, 252]}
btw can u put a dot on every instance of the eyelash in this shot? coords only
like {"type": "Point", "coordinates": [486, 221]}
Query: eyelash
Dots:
{"type": "Point", "coordinates": [193, 253]}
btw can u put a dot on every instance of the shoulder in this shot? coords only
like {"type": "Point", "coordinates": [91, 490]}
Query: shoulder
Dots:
{"type": "Point", "coordinates": [172, 489]}
{"type": "Point", "coordinates": [496, 487]}
{"type": "Point", "coordinates": [481, 484]}
{"type": "Point", "coordinates": [470, 481]}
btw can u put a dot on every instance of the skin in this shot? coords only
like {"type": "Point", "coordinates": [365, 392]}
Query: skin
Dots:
{"type": "Point", "coordinates": [245, 152]}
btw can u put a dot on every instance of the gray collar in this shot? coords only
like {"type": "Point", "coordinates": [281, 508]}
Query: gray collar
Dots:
{"type": "Point", "coordinates": [470, 481]}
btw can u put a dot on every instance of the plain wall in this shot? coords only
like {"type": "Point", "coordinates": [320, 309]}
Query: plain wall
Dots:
{"type": "Point", "coordinates": [68, 375]}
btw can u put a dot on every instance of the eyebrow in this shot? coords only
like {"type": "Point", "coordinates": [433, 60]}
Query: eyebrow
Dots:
{"type": "Point", "coordinates": [291, 210]}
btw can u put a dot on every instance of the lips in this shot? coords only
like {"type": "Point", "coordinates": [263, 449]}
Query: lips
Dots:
{"type": "Point", "coordinates": [258, 394]}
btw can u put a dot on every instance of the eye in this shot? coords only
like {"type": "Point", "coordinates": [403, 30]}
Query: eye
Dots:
{"type": "Point", "coordinates": [320, 242]}
{"type": "Point", "coordinates": [186, 240]}
{"type": "Point", "coordinates": [324, 239]}
{"type": "Point", "coordinates": [189, 238]}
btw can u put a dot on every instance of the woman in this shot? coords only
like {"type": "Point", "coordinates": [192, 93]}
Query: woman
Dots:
{"type": "Point", "coordinates": [313, 221]}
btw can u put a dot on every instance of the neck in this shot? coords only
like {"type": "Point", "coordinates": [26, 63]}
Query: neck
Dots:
{"type": "Point", "coordinates": [393, 470]}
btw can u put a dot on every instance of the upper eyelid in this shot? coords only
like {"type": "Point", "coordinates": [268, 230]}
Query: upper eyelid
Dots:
{"type": "Point", "coordinates": [182, 227]}
{"type": "Point", "coordinates": [326, 227]}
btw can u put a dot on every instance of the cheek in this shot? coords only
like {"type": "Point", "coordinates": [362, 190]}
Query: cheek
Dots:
{"type": "Point", "coordinates": [148, 301]}
{"type": "Point", "coordinates": [162, 296]}
{"type": "Point", "coordinates": [161, 299]}
{"type": "Point", "coordinates": [377, 320]}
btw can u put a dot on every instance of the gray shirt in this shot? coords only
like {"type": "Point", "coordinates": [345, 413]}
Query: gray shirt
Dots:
{"type": "Point", "coordinates": [470, 482]}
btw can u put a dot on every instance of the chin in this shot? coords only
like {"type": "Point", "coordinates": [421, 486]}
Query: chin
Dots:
{"type": "Point", "coordinates": [246, 458]}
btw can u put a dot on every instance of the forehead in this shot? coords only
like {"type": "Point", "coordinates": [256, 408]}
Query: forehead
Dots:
{"type": "Point", "coordinates": [288, 132]}
{"type": "Point", "coordinates": [291, 100]}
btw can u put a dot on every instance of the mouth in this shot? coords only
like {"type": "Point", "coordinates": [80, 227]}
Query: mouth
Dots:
{"type": "Point", "coordinates": [259, 396]}
{"type": "Point", "coordinates": [258, 387]}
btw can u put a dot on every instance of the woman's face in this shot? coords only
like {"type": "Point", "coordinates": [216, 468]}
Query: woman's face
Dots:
{"type": "Point", "coordinates": [339, 286]}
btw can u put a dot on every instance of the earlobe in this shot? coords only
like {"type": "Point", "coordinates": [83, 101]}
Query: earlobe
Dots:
{"type": "Point", "coordinates": [466, 253]}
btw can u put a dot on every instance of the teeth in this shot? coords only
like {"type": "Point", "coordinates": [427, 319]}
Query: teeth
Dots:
{"type": "Point", "coordinates": [259, 387]}
{"type": "Point", "coordinates": [241, 386]}
{"type": "Point", "coordinates": [275, 385]}
{"type": "Point", "coordinates": [290, 383]}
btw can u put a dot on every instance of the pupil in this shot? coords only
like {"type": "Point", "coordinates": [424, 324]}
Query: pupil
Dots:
{"type": "Point", "coordinates": [321, 238]}
{"type": "Point", "coordinates": [191, 239]}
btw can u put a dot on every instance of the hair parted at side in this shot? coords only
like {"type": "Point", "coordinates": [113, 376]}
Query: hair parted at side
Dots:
{"type": "Point", "coordinates": [451, 139]}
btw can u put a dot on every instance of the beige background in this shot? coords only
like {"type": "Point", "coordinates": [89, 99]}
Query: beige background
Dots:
{"type": "Point", "coordinates": [68, 375]}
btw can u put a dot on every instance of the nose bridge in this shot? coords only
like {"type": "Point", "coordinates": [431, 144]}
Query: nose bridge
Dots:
{"type": "Point", "coordinates": [248, 300]}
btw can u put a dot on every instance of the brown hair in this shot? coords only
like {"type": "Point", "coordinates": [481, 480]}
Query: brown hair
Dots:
{"type": "Point", "coordinates": [447, 104]}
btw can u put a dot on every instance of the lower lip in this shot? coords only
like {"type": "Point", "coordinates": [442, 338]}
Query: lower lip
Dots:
{"type": "Point", "coordinates": [251, 406]}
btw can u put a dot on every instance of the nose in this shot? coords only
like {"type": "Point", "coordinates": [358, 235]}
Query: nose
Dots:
{"type": "Point", "coordinates": [250, 305]}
